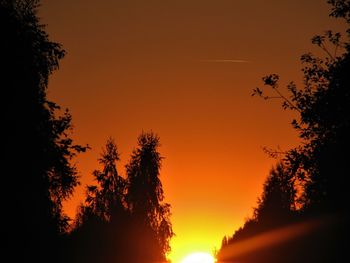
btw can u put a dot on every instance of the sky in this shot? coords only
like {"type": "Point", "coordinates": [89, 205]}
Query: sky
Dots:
{"type": "Point", "coordinates": [186, 71]}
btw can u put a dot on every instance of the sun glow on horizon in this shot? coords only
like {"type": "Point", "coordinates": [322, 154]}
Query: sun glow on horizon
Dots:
{"type": "Point", "coordinates": [198, 257]}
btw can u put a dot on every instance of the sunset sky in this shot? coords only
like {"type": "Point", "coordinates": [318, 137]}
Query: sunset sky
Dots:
{"type": "Point", "coordinates": [184, 69]}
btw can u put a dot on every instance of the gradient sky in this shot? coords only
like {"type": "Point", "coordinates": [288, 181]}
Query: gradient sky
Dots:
{"type": "Point", "coordinates": [184, 69]}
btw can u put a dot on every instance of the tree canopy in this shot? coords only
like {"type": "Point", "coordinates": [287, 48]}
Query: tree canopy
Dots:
{"type": "Point", "coordinates": [317, 168]}
{"type": "Point", "coordinates": [145, 192]}
{"type": "Point", "coordinates": [125, 219]}
{"type": "Point", "coordinates": [38, 175]}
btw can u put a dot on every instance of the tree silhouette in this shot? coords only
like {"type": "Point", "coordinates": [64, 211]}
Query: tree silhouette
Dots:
{"type": "Point", "coordinates": [275, 209]}
{"type": "Point", "coordinates": [324, 123]}
{"type": "Point", "coordinates": [124, 220]}
{"type": "Point", "coordinates": [278, 198]}
{"type": "Point", "coordinates": [108, 197]}
{"type": "Point", "coordinates": [37, 148]}
{"type": "Point", "coordinates": [102, 225]}
{"type": "Point", "coordinates": [145, 192]}
{"type": "Point", "coordinates": [320, 162]}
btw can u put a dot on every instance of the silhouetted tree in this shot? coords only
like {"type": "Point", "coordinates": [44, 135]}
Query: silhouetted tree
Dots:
{"type": "Point", "coordinates": [278, 198]}
{"type": "Point", "coordinates": [324, 123]}
{"type": "Point", "coordinates": [124, 220]}
{"type": "Point", "coordinates": [320, 162]}
{"type": "Point", "coordinates": [102, 221]}
{"type": "Point", "coordinates": [275, 209]}
{"type": "Point", "coordinates": [37, 149]}
{"type": "Point", "coordinates": [108, 196]}
{"type": "Point", "coordinates": [145, 192]}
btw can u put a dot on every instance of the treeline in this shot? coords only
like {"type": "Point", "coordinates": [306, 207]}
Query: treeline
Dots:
{"type": "Point", "coordinates": [303, 212]}
{"type": "Point", "coordinates": [123, 219]}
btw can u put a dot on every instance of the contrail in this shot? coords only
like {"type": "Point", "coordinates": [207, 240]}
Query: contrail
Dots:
{"type": "Point", "coordinates": [225, 60]}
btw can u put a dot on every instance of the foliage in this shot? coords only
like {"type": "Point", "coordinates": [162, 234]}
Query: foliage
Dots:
{"type": "Point", "coordinates": [278, 198]}
{"type": "Point", "coordinates": [108, 196]}
{"type": "Point", "coordinates": [125, 219]}
{"type": "Point", "coordinates": [38, 149]}
{"type": "Point", "coordinates": [323, 106]}
{"type": "Point", "coordinates": [319, 163]}
{"type": "Point", "coordinates": [145, 192]}
{"type": "Point", "coordinates": [112, 225]}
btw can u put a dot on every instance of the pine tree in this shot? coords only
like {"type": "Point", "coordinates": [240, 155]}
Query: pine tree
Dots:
{"type": "Point", "coordinates": [108, 196]}
{"type": "Point", "coordinates": [278, 198]}
{"type": "Point", "coordinates": [145, 193]}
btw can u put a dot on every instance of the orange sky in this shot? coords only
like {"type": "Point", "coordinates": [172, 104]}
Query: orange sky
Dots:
{"type": "Point", "coordinates": [156, 65]}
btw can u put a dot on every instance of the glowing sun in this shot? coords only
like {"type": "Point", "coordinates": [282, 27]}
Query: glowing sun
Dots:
{"type": "Point", "coordinates": [198, 257]}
